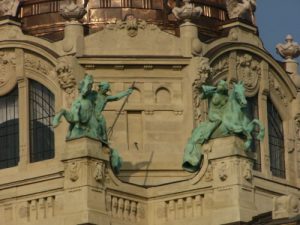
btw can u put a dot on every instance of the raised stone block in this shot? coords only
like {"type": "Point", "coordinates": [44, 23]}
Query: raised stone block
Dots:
{"type": "Point", "coordinates": [285, 206]}
{"type": "Point", "coordinates": [85, 147]}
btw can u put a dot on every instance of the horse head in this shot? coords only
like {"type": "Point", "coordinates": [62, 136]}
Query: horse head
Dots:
{"type": "Point", "coordinates": [239, 94]}
{"type": "Point", "coordinates": [85, 86]}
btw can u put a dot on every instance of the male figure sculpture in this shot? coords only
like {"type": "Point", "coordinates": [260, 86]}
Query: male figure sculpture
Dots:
{"type": "Point", "coordinates": [102, 98]}
{"type": "Point", "coordinates": [226, 116]}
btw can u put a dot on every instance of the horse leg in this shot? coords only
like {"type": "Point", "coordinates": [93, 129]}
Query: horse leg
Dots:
{"type": "Point", "coordinates": [57, 117]}
{"type": "Point", "coordinates": [247, 132]}
{"type": "Point", "coordinates": [261, 133]}
{"type": "Point", "coordinates": [68, 116]}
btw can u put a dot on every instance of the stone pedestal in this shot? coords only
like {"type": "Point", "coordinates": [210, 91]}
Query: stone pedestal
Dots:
{"type": "Point", "coordinates": [73, 38]}
{"type": "Point", "coordinates": [188, 33]}
{"type": "Point", "coordinates": [86, 164]}
{"type": "Point", "coordinates": [291, 66]}
{"type": "Point", "coordinates": [233, 193]}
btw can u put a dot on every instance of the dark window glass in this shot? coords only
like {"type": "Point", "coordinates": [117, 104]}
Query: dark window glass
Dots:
{"type": "Point", "coordinates": [41, 130]}
{"type": "Point", "coordinates": [276, 141]}
{"type": "Point", "coordinates": [9, 129]}
{"type": "Point", "coordinates": [252, 113]}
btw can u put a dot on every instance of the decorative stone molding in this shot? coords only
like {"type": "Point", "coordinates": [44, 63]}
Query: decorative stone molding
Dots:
{"type": "Point", "coordinates": [132, 25]}
{"type": "Point", "coordinates": [73, 11]}
{"type": "Point", "coordinates": [74, 171]}
{"type": "Point", "coordinates": [241, 9]}
{"type": "Point", "coordinates": [182, 208]}
{"type": "Point", "coordinates": [288, 50]}
{"type": "Point", "coordinates": [274, 84]}
{"type": "Point", "coordinates": [285, 206]}
{"type": "Point", "coordinates": [41, 208]}
{"type": "Point", "coordinates": [209, 174]}
{"type": "Point", "coordinates": [220, 66]}
{"type": "Point", "coordinates": [65, 77]}
{"type": "Point", "coordinates": [223, 171]}
{"type": "Point", "coordinates": [203, 72]}
{"type": "Point", "coordinates": [9, 7]}
{"type": "Point", "coordinates": [99, 172]}
{"type": "Point", "coordinates": [7, 66]}
{"type": "Point", "coordinates": [33, 62]}
{"type": "Point", "coordinates": [247, 170]}
{"type": "Point", "coordinates": [249, 71]}
{"type": "Point", "coordinates": [187, 12]}
{"type": "Point", "coordinates": [124, 208]}
{"type": "Point", "coordinates": [297, 127]}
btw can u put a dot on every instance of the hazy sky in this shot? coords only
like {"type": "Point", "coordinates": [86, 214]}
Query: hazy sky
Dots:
{"type": "Point", "coordinates": [275, 19]}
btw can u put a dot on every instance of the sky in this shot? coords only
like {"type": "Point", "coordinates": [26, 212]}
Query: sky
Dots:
{"type": "Point", "coordinates": [275, 19]}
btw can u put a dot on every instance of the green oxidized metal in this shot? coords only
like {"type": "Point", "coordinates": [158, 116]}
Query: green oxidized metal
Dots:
{"type": "Point", "coordinates": [85, 116]}
{"type": "Point", "coordinates": [226, 116]}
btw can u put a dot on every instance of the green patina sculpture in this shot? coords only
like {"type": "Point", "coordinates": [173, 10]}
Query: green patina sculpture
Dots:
{"type": "Point", "coordinates": [85, 117]}
{"type": "Point", "coordinates": [101, 99]}
{"type": "Point", "coordinates": [226, 116]}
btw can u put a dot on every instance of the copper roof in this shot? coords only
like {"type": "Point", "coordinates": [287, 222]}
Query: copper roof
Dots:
{"type": "Point", "coordinates": [41, 17]}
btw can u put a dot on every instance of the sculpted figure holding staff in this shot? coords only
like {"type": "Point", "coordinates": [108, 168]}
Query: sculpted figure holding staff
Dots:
{"type": "Point", "coordinates": [102, 98]}
{"type": "Point", "coordinates": [85, 117]}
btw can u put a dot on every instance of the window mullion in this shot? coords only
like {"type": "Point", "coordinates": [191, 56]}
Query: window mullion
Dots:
{"type": "Point", "coordinates": [24, 121]}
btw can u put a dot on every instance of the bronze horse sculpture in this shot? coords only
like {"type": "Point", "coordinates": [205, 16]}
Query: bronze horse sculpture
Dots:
{"type": "Point", "coordinates": [81, 117]}
{"type": "Point", "coordinates": [227, 116]}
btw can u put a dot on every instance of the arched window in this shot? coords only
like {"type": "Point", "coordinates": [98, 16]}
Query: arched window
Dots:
{"type": "Point", "coordinates": [276, 141]}
{"type": "Point", "coordinates": [9, 129]}
{"type": "Point", "coordinates": [41, 113]}
{"type": "Point", "coordinates": [252, 112]}
{"type": "Point", "coordinates": [163, 96]}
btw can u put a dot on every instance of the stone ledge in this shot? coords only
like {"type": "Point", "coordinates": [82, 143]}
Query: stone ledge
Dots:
{"type": "Point", "coordinates": [84, 147]}
{"type": "Point", "coordinates": [225, 147]}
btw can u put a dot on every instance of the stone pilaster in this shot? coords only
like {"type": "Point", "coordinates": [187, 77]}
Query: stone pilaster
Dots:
{"type": "Point", "coordinates": [86, 164]}
{"type": "Point", "coordinates": [233, 192]}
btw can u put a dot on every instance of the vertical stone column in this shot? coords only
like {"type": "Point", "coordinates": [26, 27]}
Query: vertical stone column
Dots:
{"type": "Point", "coordinates": [233, 192]}
{"type": "Point", "coordinates": [74, 38]}
{"type": "Point", "coordinates": [23, 110]}
{"type": "Point", "coordinates": [84, 184]}
{"type": "Point", "coordinates": [188, 32]}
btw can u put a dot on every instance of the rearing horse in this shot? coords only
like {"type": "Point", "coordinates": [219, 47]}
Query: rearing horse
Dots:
{"type": "Point", "coordinates": [81, 117]}
{"type": "Point", "coordinates": [231, 120]}
{"type": "Point", "coordinates": [235, 120]}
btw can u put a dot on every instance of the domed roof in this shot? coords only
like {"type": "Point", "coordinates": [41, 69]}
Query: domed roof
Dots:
{"type": "Point", "coordinates": [41, 17]}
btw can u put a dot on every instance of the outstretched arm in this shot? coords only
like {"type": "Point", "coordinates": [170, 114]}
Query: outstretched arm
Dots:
{"type": "Point", "coordinates": [207, 91]}
{"type": "Point", "coordinates": [119, 95]}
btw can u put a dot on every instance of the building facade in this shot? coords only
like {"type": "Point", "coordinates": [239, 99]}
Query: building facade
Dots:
{"type": "Point", "coordinates": [46, 48]}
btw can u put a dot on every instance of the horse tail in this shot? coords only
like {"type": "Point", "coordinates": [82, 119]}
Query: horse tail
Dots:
{"type": "Point", "coordinates": [261, 133]}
